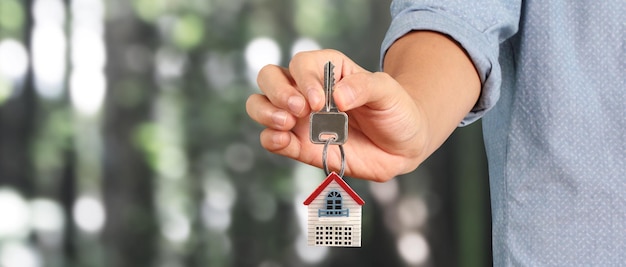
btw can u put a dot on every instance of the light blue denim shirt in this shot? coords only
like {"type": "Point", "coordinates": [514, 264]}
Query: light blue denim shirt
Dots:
{"type": "Point", "coordinates": [554, 104]}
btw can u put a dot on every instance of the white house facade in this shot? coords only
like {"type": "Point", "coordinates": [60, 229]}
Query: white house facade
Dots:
{"type": "Point", "coordinates": [334, 214]}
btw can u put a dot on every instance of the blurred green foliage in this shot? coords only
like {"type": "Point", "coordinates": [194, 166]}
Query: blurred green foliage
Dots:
{"type": "Point", "coordinates": [150, 10]}
{"type": "Point", "coordinates": [330, 19]}
{"type": "Point", "coordinates": [188, 31]}
{"type": "Point", "coordinates": [5, 89]}
{"type": "Point", "coordinates": [11, 17]}
{"type": "Point", "coordinates": [176, 162]}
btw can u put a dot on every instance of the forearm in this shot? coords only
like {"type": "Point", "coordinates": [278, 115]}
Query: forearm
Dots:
{"type": "Point", "coordinates": [440, 78]}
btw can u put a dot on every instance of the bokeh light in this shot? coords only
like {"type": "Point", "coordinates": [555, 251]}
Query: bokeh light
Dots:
{"type": "Point", "coordinates": [304, 44]}
{"type": "Point", "coordinates": [220, 198]}
{"type": "Point", "coordinates": [239, 157]}
{"type": "Point", "coordinates": [215, 218]}
{"type": "Point", "coordinates": [412, 212]}
{"type": "Point", "coordinates": [88, 14]}
{"type": "Point", "coordinates": [46, 12]}
{"type": "Point", "coordinates": [88, 51]}
{"type": "Point", "coordinates": [89, 214]}
{"type": "Point", "coordinates": [259, 52]}
{"type": "Point", "coordinates": [49, 47]}
{"type": "Point", "coordinates": [46, 215]}
{"type": "Point", "coordinates": [15, 215]}
{"type": "Point", "coordinates": [309, 254]}
{"type": "Point", "coordinates": [220, 192]}
{"type": "Point", "coordinates": [170, 64]}
{"type": "Point", "coordinates": [176, 227]}
{"type": "Point", "coordinates": [48, 221]}
{"type": "Point", "coordinates": [87, 90]}
{"type": "Point", "coordinates": [17, 254]}
{"type": "Point", "coordinates": [386, 192]}
{"type": "Point", "coordinates": [13, 59]}
{"type": "Point", "coordinates": [413, 248]}
{"type": "Point", "coordinates": [219, 70]}
{"type": "Point", "coordinates": [48, 52]}
{"type": "Point", "coordinates": [88, 56]}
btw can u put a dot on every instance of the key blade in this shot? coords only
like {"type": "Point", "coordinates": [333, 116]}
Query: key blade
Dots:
{"type": "Point", "coordinates": [329, 86]}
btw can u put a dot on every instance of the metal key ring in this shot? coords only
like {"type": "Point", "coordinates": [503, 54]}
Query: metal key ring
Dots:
{"type": "Point", "coordinates": [325, 156]}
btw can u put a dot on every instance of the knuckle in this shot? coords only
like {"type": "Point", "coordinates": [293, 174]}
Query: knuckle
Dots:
{"type": "Point", "coordinates": [264, 72]}
{"type": "Point", "coordinates": [305, 56]}
{"type": "Point", "coordinates": [281, 95]}
{"type": "Point", "coordinates": [332, 52]}
{"type": "Point", "coordinates": [278, 92]}
{"type": "Point", "coordinates": [381, 76]}
{"type": "Point", "coordinates": [267, 68]}
{"type": "Point", "coordinates": [299, 58]}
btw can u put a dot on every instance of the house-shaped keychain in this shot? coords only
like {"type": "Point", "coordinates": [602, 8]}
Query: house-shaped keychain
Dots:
{"type": "Point", "coordinates": [334, 214]}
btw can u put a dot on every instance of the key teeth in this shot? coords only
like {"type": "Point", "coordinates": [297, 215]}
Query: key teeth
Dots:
{"type": "Point", "coordinates": [330, 67]}
{"type": "Point", "coordinates": [329, 83]}
{"type": "Point", "coordinates": [332, 76]}
{"type": "Point", "coordinates": [329, 77]}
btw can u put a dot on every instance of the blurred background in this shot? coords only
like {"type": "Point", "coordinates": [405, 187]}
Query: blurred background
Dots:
{"type": "Point", "coordinates": [124, 142]}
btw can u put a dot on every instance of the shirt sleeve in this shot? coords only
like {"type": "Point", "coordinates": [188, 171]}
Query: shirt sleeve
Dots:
{"type": "Point", "coordinates": [479, 26]}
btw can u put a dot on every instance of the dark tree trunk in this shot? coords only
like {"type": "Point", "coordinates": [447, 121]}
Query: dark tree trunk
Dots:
{"type": "Point", "coordinates": [67, 196]}
{"type": "Point", "coordinates": [17, 124]}
{"type": "Point", "coordinates": [131, 231]}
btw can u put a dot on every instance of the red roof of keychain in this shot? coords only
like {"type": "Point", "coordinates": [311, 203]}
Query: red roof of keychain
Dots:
{"type": "Point", "coordinates": [334, 177]}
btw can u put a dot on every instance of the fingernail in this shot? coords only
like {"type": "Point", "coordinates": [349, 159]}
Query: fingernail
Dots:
{"type": "Point", "coordinates": [313, 97]}
{"type": "Point", "coordinates": [296, 104]}
{"type": "Point", "coordinates": [279, 118]}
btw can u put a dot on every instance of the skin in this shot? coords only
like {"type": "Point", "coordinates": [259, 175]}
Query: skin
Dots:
{"type": "Point", "coordinates": [397, 118]}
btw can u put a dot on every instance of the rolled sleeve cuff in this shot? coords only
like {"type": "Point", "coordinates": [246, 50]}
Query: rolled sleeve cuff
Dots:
{"type": "Point", "coordinates": [482, 51]}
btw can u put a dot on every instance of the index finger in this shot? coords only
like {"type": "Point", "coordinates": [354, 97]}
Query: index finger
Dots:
{"type": "Point", "coordinates": [307, 70]}
{"type": "Point", "coordinates": [277, 84]}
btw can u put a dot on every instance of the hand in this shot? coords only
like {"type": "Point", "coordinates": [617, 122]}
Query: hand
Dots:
{"type": "Point", "coordinates": [385, 123]}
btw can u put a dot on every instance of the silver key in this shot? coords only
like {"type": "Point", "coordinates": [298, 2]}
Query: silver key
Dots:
{"type": "Point", "coordinates": [329, 123]}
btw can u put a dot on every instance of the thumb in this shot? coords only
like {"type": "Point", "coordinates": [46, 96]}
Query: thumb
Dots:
{"type": "Point", "coordinates": [376, 90]}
